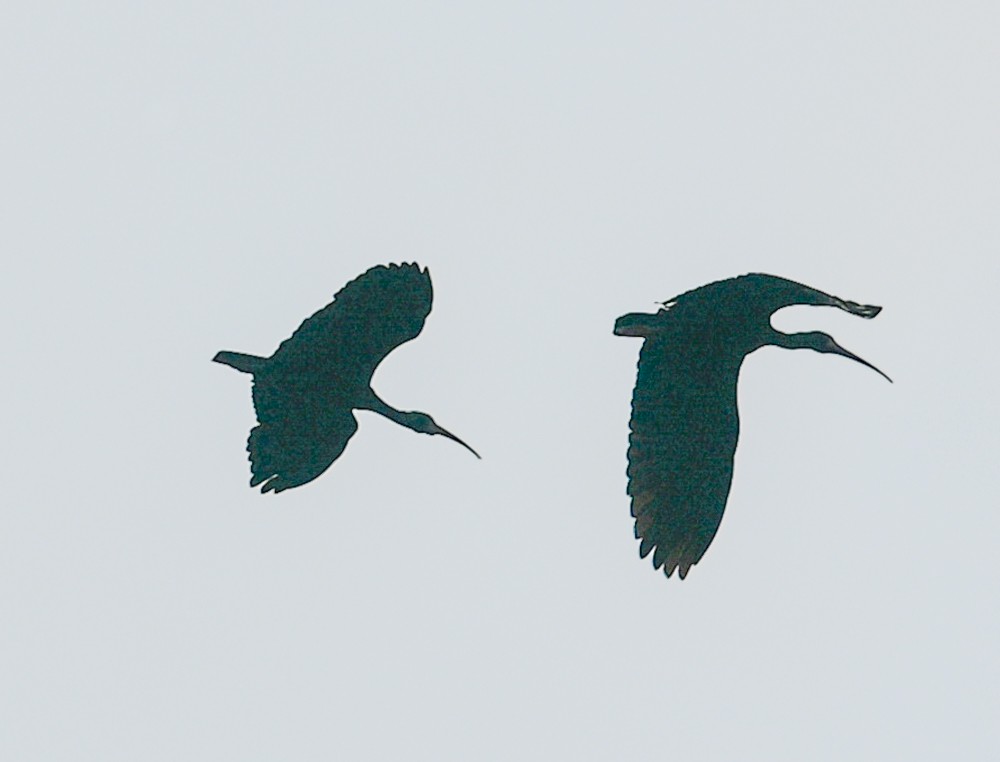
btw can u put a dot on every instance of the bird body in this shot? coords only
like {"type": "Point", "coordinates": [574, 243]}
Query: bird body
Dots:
{"type": "Point", "coordinates": [685, 421]}
{"type": "Point", "coordinates": [305, 393]}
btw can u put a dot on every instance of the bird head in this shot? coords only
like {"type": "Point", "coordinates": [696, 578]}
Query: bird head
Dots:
{"type": "Point", "coordinates": [822, 342]}
{"type": "Point", "coordinates": [425, 425]}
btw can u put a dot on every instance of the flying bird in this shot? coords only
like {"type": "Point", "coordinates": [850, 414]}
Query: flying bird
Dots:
{"type": "Point", "coordinates": [684, 423]}
{"type": "Point", "coordinates": [306, 392]}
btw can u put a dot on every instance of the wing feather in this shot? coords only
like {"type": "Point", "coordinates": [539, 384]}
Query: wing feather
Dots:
{"type": "Point", "coordinates": [684, 431]}
{"type": "Point", "coordinates": [368, 318]}
{"type": "Point", "coordinates": [299, 435]}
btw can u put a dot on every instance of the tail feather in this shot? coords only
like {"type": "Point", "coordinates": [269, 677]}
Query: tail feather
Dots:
{"type": "Point", "coordinates": [243, 363]}
{"type": "Point", "coordinates": [636, 324]}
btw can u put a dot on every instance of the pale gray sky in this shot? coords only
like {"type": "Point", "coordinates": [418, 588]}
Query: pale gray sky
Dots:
{"type": "Point", "coordinates": [179, 178]}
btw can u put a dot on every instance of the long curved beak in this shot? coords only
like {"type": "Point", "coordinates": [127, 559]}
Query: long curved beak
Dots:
{"type": "Point", "coordinates": [453, 438]}
{"type": "Point", "coordinates": [839, 350]}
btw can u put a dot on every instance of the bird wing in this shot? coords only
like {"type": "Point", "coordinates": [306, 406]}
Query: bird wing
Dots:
{"type": "Point", "coordinates": [300, 433]}
{"type": "Point", "coordinates": [684, 430]}
{"type": "Point", "coordinates": [368, 318]}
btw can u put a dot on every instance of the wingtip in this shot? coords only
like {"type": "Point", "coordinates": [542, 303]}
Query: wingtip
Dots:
{"type": "Point", "coordinates": [420, 269]}
{"type": "Point", "coordinates": [682, 571]}
{"type": "Point", "coordinates": [645, 547]}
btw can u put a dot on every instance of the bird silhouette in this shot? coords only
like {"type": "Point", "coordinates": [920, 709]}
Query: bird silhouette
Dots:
{"type": "Point", "coordinates": [685, 422]}
{"type": "Point", "coordinates": [306, 392]}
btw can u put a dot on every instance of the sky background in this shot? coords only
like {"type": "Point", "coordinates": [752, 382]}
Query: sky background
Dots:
{"type": "Point", "coordinates": [179, 178]}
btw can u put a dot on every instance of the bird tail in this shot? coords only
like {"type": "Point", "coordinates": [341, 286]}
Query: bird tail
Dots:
{"type": "Point", "coordinates": [635, 324]}
{"type": "Point", "coordinates": [243, 363]}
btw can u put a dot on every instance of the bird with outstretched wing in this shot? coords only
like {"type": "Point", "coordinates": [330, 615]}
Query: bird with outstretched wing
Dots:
{"type": "Point", "coordinates": [305, 393]}
{"type": "Point", "coordinates": [685, 422]}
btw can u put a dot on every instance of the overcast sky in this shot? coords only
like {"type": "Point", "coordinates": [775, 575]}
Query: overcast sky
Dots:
{"type": "Point", "coordinates": [179, 178]}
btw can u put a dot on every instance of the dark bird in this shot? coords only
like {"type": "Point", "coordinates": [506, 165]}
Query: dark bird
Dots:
{"type": "Point", "coordinates": [306, 392]}
{"type": "Point", "coordinates": [684, 422]}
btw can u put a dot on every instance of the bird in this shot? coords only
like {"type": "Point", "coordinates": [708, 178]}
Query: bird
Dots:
{"type": "Point", "coordinates": [305, 393]}
{"type": "Point", "coordinates": [685, 423]}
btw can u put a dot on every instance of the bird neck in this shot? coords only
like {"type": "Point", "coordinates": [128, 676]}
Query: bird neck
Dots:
{"type": "Point", "coordinates": [377, 405]}
{"type": "Point", "coordinates": [791, 340]}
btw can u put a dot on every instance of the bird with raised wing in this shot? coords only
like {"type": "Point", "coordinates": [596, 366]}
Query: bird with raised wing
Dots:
{"type": "Point", "coordinates": [685, 423]}
{"type": "Point", "coordinates": [306, 392]}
